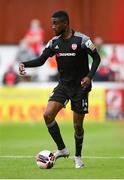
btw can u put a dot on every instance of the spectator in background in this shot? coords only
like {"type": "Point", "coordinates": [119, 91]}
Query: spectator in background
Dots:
{"type": "Point", "coordinates": [31, 45]}
{"type": "Point", "coordinates": [103, 73]}
{"type": "Point", "coordinates": [35, 37]}
{"type": "Point", "coordinates": [99, 44]}
{"type": "Point", "coordinates": [10, 77]}
{"type": "Point", "coordinates": [115, 64]}
{"type": "Point", "coordinates": [33, 41]}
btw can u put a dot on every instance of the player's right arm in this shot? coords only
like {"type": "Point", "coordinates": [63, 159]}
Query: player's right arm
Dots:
{"type": "Point", "coordinates": [47, 52]}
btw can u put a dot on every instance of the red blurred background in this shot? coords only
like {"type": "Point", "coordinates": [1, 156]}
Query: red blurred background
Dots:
{"type": "Point", "coordinates": [93, 17]}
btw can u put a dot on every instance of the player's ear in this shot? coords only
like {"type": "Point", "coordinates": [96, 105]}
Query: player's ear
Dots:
{"type": "Point", "coordinates": [65, 23]}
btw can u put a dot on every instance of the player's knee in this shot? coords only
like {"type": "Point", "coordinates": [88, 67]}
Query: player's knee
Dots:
{"type": "Point", "coordinates": [47, 117]}
{"type": "Point", "coordinates": [78, 130]}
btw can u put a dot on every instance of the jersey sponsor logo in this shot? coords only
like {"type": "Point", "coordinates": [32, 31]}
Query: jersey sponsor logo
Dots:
{"type": "Point", "coordinates": [66, 54]}
{"type": "Point", "coordinates": [90, 45]}
{"type": "Point", "coordinates": [74, 46]}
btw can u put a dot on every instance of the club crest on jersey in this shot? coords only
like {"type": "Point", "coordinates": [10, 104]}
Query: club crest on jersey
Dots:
{"type": "Point", "coordinates": [74, 46]}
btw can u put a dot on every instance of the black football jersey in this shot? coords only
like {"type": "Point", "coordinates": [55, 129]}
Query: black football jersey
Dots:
{"type": "Point", "coordinates": [71, 56]}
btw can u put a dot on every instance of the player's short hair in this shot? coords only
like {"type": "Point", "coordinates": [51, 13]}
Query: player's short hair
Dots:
{"type": "Point", "coordinates": [63, 15]}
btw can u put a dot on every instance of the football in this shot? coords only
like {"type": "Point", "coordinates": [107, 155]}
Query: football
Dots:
{"type": "Point", "coordinates": [45, 159]}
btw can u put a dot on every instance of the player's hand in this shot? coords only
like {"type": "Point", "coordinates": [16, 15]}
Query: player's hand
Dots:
{"type": "Point", "coordinates": [85, 82]}
{"type": "Point", "coordinates": [22, 69]}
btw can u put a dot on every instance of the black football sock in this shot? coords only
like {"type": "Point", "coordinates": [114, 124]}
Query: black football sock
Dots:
{"type": "Point", "coordinates": [54, 131]}
{"type": "Point", "coordinates": [78, 144]}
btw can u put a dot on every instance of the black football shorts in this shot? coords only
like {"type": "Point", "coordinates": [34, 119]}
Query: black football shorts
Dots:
{"type": "Point", "coordinates": [76, 94]}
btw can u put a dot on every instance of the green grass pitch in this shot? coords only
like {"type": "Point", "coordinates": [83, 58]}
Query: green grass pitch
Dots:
{"type": "Point", "coordinates": [103, 151]}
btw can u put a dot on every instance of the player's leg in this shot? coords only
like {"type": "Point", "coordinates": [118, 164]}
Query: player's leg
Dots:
{"type": "Point", "coordinates": [50, 113]}
{"type": "Point", "coordinates": [79, 136]}
{"type": "Point", "coordinates": [79, 132]}
{"type": "Point", "coordinates": [79, 105]}
{"type": "Point", "coordinates": [52, 109]}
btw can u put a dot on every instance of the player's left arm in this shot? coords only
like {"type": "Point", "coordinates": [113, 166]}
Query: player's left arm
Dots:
{"type": "Point", "coordinates": [91, 49]}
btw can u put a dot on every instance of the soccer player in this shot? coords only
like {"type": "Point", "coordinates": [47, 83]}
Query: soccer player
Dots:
{"type": "Point", "coordinates": [71, 49]}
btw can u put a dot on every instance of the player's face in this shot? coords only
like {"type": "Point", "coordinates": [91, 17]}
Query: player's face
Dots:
{"type": "Point", "coordinates": [58, 26]}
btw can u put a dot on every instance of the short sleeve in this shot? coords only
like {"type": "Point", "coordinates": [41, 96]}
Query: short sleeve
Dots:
{"type": "Point", "coordinates": [87, 44]}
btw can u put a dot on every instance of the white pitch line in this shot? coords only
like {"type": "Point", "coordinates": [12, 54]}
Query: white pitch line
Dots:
{"type": "Point", "coordinates": [17, 157]}
{"type": "Point", "coordinates": [70, 157]}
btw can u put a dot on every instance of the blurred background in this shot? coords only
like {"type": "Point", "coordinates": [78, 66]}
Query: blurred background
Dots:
{"type": "Point", "coordinates": [26, 28]}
